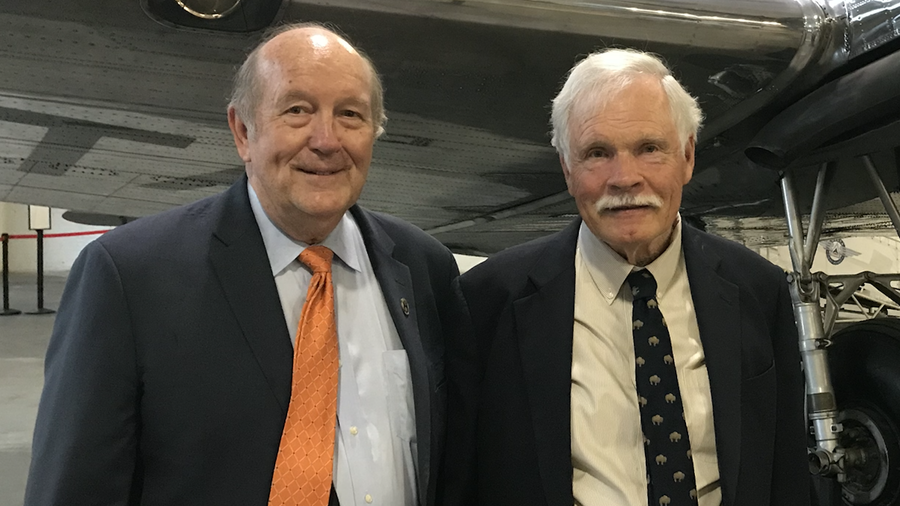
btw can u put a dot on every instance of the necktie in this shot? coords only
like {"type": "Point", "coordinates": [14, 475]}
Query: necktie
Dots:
{"type": "Point", "coordinates": [302, 475]}
{"type": "Point", "coordinates": [667, 446]}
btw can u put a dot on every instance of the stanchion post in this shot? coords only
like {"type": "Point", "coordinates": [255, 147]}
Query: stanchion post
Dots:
{"type": "Point", "coordinates": [6, 310]}
{"type": "Point", "coordinates": [40, 277]}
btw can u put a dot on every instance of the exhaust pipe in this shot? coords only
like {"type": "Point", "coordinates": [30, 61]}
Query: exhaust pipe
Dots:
{"type": "Point", "coordinates": [846, 105]}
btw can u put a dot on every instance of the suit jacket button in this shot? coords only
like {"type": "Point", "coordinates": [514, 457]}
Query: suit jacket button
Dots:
{"type": "Point", "coordinates": [404, 306]}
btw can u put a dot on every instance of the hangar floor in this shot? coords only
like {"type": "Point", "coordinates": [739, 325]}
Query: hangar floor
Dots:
{"type": "Point", "coordinates": [23, 342]}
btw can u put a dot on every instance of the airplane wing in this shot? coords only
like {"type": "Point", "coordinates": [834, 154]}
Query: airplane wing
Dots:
{"type": "Point", "coordinates": [118, 108]}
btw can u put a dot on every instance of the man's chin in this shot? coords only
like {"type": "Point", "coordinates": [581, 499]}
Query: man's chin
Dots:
{"type": "Point", "coordinates": [324, 213]}
{"type": "Point", "coordinates": [626, 235]}
{"type": "Point", "coordinates": [323, 203]}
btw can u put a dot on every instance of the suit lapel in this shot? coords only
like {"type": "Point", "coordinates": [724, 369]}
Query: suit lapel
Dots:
{"type": "Point", "coordinates": [544, 321]}
{"type": "Point", "coordinates": [239, 260]}
{"type": "Point", "coordinates": [396, 285]}
{"type": "Point", "coordinates": [717, 304]}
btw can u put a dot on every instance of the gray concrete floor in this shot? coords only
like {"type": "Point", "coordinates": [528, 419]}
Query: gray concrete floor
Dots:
{"type": "Point", "coordinates": [23, 343]}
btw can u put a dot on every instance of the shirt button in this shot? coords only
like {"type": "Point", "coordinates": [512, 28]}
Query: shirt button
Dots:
{"type": "Point", "coordinates": [368, 498]}
{"type": "Point", "coordinates": [354, 431]}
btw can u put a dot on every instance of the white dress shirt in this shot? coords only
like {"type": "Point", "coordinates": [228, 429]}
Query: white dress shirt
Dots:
{"type": "Point", "coordinates": [375, 437]}
{"type": "Point", "coordinates": [608, 461]}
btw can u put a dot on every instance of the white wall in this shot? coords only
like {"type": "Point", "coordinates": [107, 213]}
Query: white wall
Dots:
{"type": "Point", "coordinates": [876, 254]}
{"type": "Point", "coordinates": [59, 252]}
{"type": "Point", "coordinates": [466, 262]}
{"type": "Point", "coordinates": [880, 255]}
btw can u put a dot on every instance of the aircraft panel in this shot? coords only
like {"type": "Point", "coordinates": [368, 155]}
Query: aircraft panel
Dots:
{"type": "Point", "coordinates": [111, 205]}
{"type": "Point", "coordinates": [100, 99]}
{"type": "Point", "coordinates": [64, 199]}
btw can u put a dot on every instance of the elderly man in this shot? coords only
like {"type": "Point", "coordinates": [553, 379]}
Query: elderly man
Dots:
{"type": "Point", "coordinates": [273, 344]}
{"type": "Point", "coordinates": [629, 359]}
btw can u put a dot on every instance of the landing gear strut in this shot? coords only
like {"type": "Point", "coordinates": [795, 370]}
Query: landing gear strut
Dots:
{"type": "Point", "coordinates": [852, 384]}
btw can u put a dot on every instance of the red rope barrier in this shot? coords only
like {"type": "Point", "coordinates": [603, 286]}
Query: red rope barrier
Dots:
{"type": "Point", "coordinates": [66, 234]}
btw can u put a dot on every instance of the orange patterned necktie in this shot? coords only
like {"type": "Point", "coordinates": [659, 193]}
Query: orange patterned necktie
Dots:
{"type": "Point", "coordinates": [302, 475]}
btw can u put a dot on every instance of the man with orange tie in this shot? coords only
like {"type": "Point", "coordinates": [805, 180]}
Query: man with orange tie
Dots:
{"type": "Point", "coordinates": [272, 344]}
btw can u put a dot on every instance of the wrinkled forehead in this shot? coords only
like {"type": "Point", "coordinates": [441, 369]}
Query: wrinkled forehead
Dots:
{"type": "Point", "coordinates": [322, 57]}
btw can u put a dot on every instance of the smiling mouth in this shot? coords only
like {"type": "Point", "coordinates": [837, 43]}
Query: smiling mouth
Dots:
{"type": "Point", "coordinates": [319, 172]}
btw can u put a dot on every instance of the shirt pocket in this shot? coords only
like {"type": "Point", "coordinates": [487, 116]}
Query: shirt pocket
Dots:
{"type": "Point", "coordinates": [398, 387]}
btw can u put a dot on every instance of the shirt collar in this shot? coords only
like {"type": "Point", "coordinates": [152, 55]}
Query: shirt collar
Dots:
{"type": "Point", "coordinates": [282, 250]}
{"type": "Point", "coordinates": [609, 270]}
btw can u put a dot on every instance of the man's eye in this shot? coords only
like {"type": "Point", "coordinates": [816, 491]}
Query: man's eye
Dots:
{"type": "Point", "coordinates": [651, 148]}
{"type": "Point", "coordinates": [597, 153]}
{"type": "Point", "coordinates": [351, 114]}
{"type": "Point", "coordinates": [295, 110]}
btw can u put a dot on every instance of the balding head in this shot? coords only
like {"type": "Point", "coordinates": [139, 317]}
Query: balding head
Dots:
{"type": "Point", "coordinates": [298, 42]}
{"type": "Point", "coordinates": [305, 115]}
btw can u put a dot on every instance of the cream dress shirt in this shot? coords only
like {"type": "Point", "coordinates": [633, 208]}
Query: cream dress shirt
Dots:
{"type": "Point", "coordinates": [375, 436]}
{"type": "Point", "coordinates": [608, 462]}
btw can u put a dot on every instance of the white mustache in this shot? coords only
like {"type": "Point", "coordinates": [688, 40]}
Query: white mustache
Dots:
{"type": "Point", "coordinates": [608, 202]}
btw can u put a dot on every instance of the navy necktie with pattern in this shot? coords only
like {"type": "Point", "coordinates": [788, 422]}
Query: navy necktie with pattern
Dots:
{"type": "Point", "coordinates": [667, 447]}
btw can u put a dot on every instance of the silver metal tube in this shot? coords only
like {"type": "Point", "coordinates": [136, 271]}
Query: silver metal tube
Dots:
{"type": "Point", "coordinates": [883, 194]}
{"type": "Point", "coordinates": [817, 215]}
{"type": "Point", "coordinates": [800, 38]}
{"type": "Point", "coordinates": [820, 400]}
{"type": "Point", "coordinates": [821, 405]}
{"type": "Point", "coordinates": [795, 226]}
{"type": "Point", "coordinates": [723, 25]}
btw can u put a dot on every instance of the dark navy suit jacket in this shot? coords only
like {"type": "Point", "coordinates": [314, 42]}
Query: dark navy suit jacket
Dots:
{"type": "Point", "coordinates": [509, 439]}
{"type": "Point", "coordinates": [168, 374]}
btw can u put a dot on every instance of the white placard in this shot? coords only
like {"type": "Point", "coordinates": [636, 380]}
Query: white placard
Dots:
{"type": "Point", "coordinates": [38, 218]}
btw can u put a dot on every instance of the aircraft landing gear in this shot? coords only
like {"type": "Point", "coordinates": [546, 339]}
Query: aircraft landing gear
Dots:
{"type": "Point", "coordinates": [852, 378]}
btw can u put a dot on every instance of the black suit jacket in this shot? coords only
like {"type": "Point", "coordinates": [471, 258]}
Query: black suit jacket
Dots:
{"type": "Point", "coordinates": [168, 375]}
{"type": "Point", "coordinates": [509, 440]}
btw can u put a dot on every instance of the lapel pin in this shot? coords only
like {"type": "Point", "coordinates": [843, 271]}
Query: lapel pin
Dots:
{"type": "Point", "coordinates": [404, 306]}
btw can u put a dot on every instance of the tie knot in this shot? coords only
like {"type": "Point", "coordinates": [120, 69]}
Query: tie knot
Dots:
{"type": "Point", "coordinates": [643, 286]}
{"type": "Point", "coordinates": [317, 258]}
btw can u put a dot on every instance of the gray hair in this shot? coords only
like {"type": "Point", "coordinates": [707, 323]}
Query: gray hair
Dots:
{"type": "Point", "coordinates": [246, 89]}
{"type": "Point", "coordinates": [604, 74]}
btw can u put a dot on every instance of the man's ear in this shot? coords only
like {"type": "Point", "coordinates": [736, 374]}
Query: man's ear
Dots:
{"type": "Point", "coordinates": [566, 172]}
{"type": "Point", "coordinates": [689, 159]}
{"type": "Point", "coordinates": [241, 134]}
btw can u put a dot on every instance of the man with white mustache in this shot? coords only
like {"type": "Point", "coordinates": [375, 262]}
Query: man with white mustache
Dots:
{"type": "Point", "coordinates": [629, 359]}
{"type": "Point", "coordinates": [612, 202]}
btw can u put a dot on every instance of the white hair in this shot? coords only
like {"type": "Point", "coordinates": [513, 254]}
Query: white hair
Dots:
{"type": "Point", "coordinates": [596, 80]}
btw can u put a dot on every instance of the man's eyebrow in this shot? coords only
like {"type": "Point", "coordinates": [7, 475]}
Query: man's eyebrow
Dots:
{"type": "Point", "coordinates": [293, 95]}
{"type": "Point", "coordinates": [653, 139]}
{"type": "Point", "coordinates": [361, 102]}
{"type": "Point", "coordinates": [597, 143]}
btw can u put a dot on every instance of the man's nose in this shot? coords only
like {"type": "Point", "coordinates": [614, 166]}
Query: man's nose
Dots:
{"type": "Point", "coordinates": [625, 173]}
{"type": "Point", "coordinates": [323, 138]}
